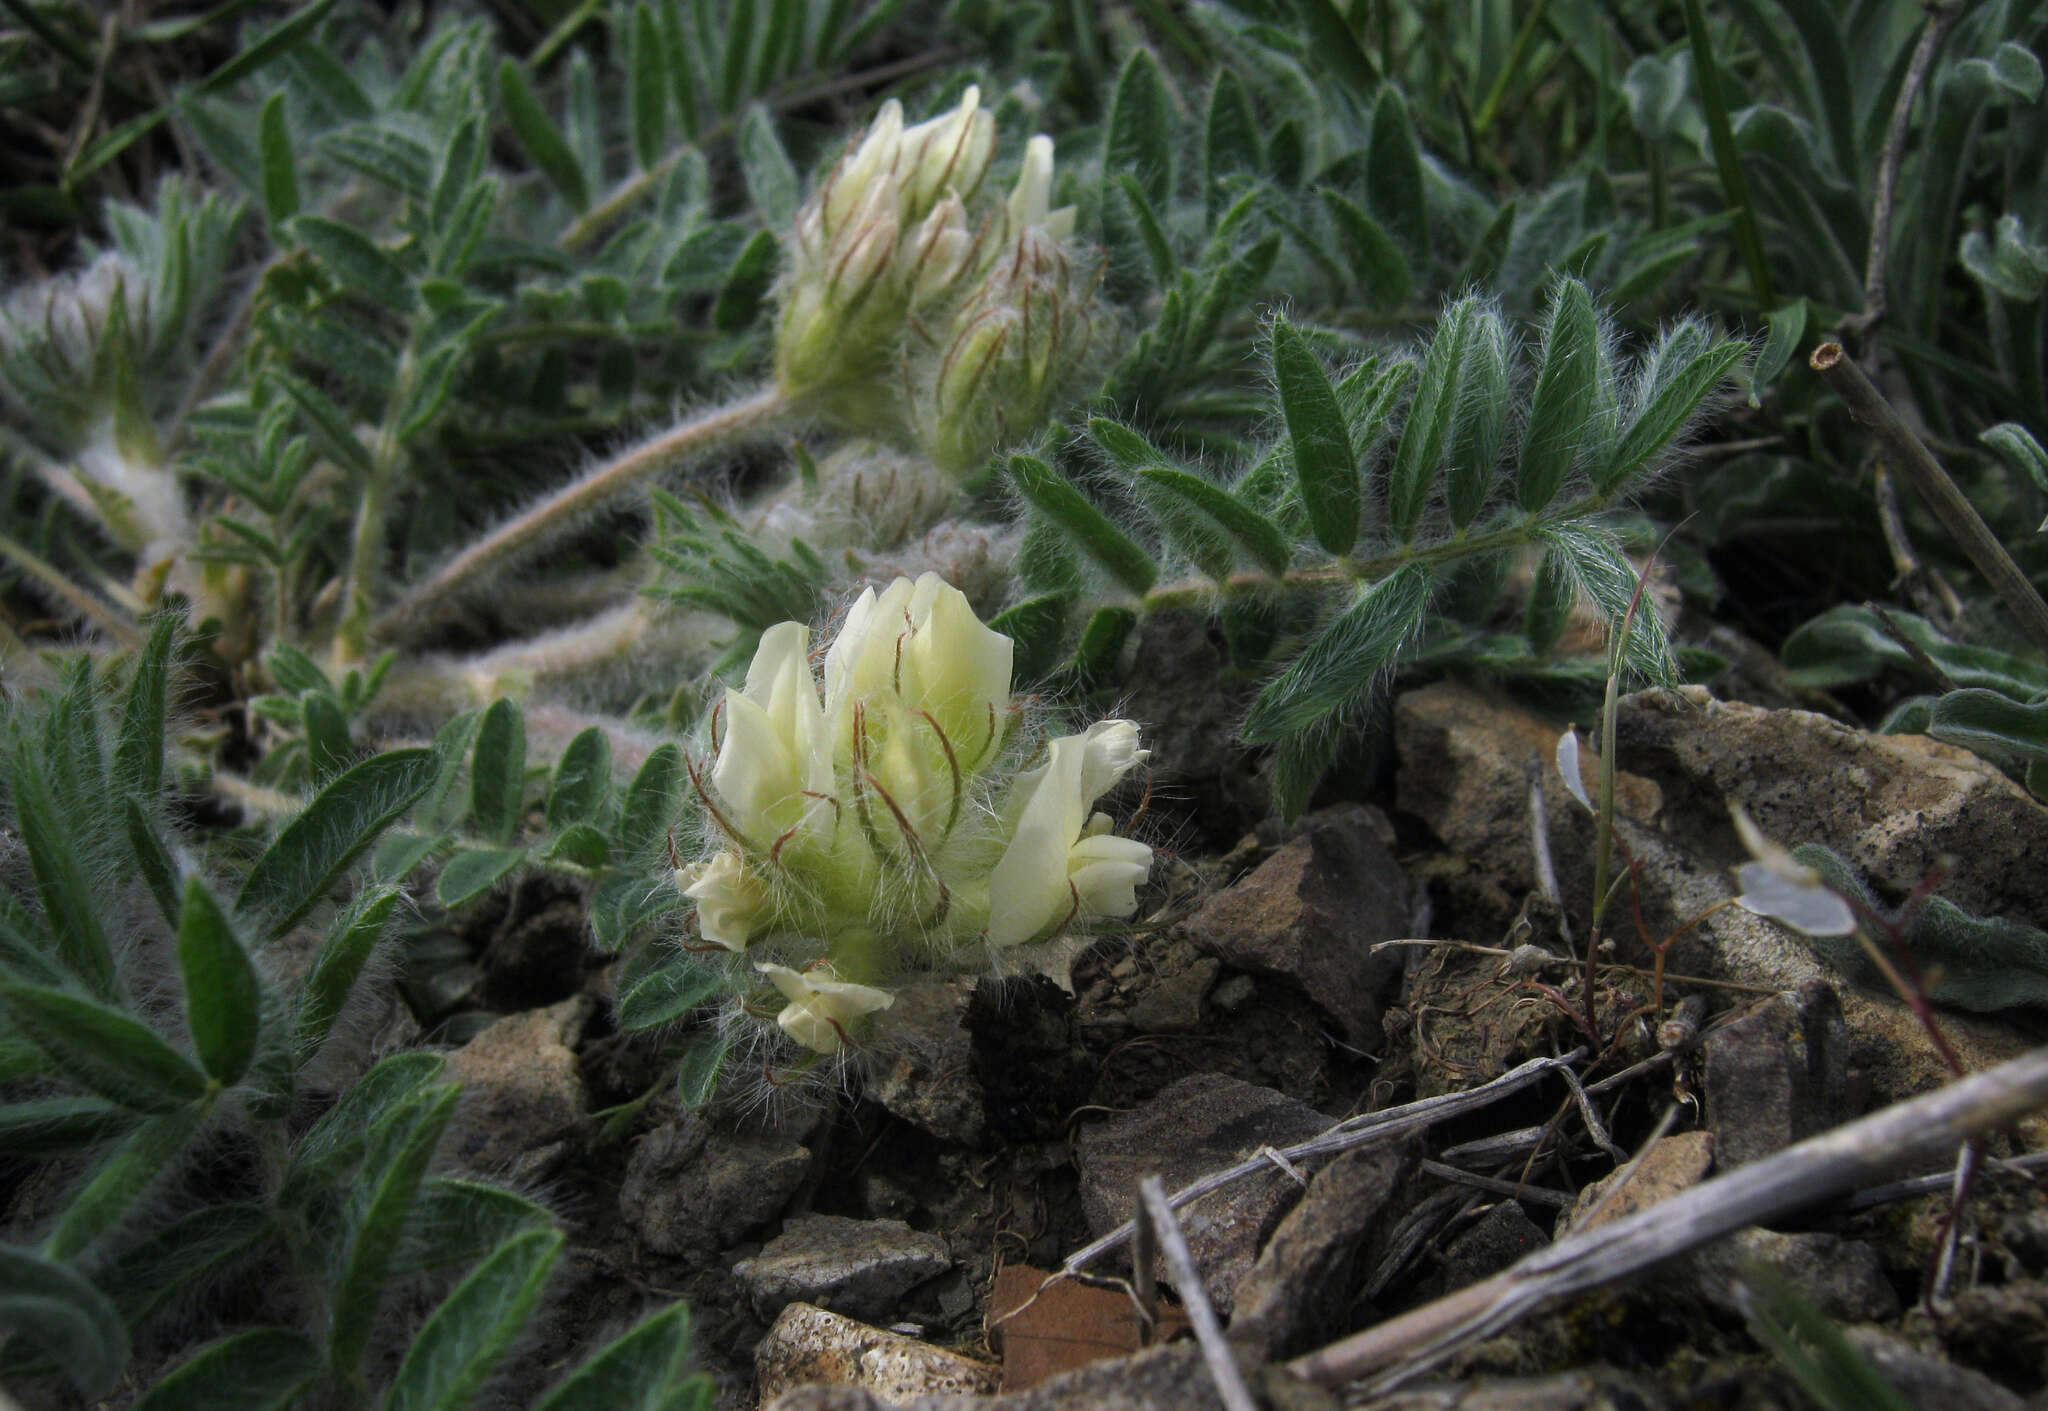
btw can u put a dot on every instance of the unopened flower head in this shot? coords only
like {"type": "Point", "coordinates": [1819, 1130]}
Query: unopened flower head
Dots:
{"type": "Point", "coordinates": [889, 806]}
{"type": "Point", "coordinates": [54, 336]}
{"type": "Point", "coordinates": [895, 254]}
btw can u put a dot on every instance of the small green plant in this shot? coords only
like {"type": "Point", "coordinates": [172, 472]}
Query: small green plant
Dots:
{"type": "Point", "coordinates": [223, 1124]}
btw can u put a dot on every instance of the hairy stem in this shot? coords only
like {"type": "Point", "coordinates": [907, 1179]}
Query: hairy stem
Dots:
{"type": "Point", "coordinates": [366, 544]}
{"type": "Point", "coordinates": [736, 419]}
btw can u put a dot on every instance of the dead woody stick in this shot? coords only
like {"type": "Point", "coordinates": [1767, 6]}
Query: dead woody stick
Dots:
{"type": "Point", "coordinates": [1847, 1157]}
{"type": "Point", "coordinates": [1156, 1215]}
{"type": "Point", "coordinates": [1957, 515]}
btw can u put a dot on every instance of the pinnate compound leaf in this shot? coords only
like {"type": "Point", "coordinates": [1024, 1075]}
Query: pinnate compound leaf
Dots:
{"type": "Point", "coordinates": [1323, 461]}
{"type": "Point", "coordinates": [1566, 398]}
{"type": "Point", "coordinates": [102, 1049]}
{"type": "Point", "coordinates": [63, 1315]}
{"type": "Point", "coordinates": [259, 1370]}
{"type": "Point", "coordinates": [223, 998]}
{"type": "Point", "coordinates": [357, 262]}
{"type": "Point", "coordinates": [1055, 497]}
{"type": "Point", "coordinates": [640, 1370]}
{"type": "Point", "coordinates": [450, 1356]}
{"type": "Point", "coordinates": [315, 848]}
{"type": "Point", "coordinates": [1343, 658]}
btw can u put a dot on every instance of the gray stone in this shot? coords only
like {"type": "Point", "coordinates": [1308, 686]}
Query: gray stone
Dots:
{"type": "Point", "coordinates": [1310, 915]}
{"type": "Point", "coordinates": [1174, 1004]}
{"type": "Point", "coordinates": [522, 1093]}
{"type": "Point", "coordinates": [1777, 1075]}
{"type": "Point", "coordinates": [927, 1073]}
{"type": "Point", "coordinates": [856, 1267]}
{"type": "Point", "coordinates": [690, 1189]}
{"type": "Point", "coordinates": [1928, 1381]}
{"type": "Point", "coordinates": [1843, 1279]}
{"type": "Point", "coordinates": [1235, 994]}
{"type": "Point", "coordinates": [1196, 1126]}
{"type": "Point", "coordinates": [1298, 1294]}
{"type": "Point", "coordinates": [1497, 1239]}
{"type": "Point", "coordinates": [860, 1366]}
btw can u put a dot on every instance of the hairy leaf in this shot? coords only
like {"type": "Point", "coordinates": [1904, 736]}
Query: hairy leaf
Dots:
{"type": "Point", "coordinates": [1342, 659]}
{"type": "Point", "coordinates": [223, 998]}
{"type": "Point", "coordinates": [1055, 497]}
{"type": "Point", "coordinates": [450, 1356]}
{"type": "Point", "coordinates": [64, 1316]}
{"type": "Point", "coordinates": [1323, 461]}
{"type": "Point", "coordinates": [315, 848]}
{"type": "Point", "coordinates": [258, 1370]}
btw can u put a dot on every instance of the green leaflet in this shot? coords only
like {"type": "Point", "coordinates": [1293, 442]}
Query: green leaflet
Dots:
{"type": "Point", "coordinates": [1055, 497]}
{"type": "Point", "coordinates": [582, 781]}
{"type": "Point", "coordinates": [640, 1370]}
{"type": "Point", "coordinates": [259, 1370]}
{"type": "Point", "coordinates": [102, 1049]}
{"type": "Point", "coordinates": [223, 998]}
{"type": "Point", "coordinates": [315, 848]}
{"type": "Point", "coordinates": [1566, 399]}
{"type": "Point", "coordinates": [497, 772]}
{"type": "Point", "coordinates": [450, 1356]}
{"type": "Point", "coordinates": [64, 1316]}
{"type": "Point", "coordinates": [1323, 462]}
{"type": "Point", "coordinates": [1343, 658]}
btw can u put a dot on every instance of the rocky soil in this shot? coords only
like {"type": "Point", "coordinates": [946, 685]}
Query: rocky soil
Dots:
{"type": "Point", "coordinates": [879, 1249]}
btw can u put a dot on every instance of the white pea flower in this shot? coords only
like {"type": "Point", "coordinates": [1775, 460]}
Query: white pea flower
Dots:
{"type": "Point", "coordinates": [822, 1008]}
{"type": "Point", "coordinates": [1062, 865]}
{"type": "Point", "coordinates": [729, 898]}
{"type": "Point", "coordinates": [876, 813]}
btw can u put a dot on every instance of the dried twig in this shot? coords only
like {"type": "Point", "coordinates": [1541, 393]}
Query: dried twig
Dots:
{"type": "Point", "coordinates": [1940, 16]}
{"type": "Point", "coordinates": [1519, 1190]}
{"type": "Point", "coordinates": [1353, 1132]}
{"type": "Point", "coordinates": [1950, 506]}
{"type": "Point", "coordinates": [1813, 1170]}
{"type": "Point", "coordinates": [1157, 1214]}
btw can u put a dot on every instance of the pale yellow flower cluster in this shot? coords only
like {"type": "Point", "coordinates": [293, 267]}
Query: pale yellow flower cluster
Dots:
{"type": "Point", "coordinates": [890, 245]}
{"type": "Point", "coordinates": [889, 814]}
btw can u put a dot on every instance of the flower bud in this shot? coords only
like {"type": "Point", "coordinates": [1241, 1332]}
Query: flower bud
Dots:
{"type": "Point", "coordinates": [822, 1008]}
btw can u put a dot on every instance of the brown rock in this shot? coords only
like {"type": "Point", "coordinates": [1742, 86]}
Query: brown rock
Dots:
{"type": "Point", "coordinates": [1196, 1126]}
{"type": "Point", "coordinates": [1173, 1005]}
{"type": "Point", "coordinates": [521, 1092]}
{"type": "Point", "coordinates": [1672, 1165]}
{"type": "Point", "coordinates": [1311, 913]}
